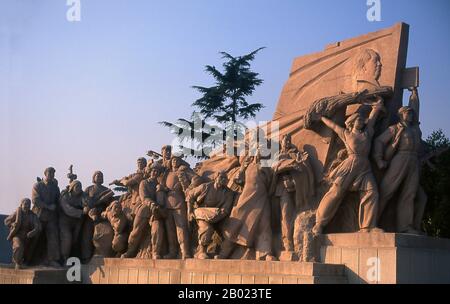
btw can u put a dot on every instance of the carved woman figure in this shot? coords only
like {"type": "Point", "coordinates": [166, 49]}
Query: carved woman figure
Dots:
{"type": "Point", "coordinates": [249, 223]}
{"type": "Point", "coordinates": [354, 173]}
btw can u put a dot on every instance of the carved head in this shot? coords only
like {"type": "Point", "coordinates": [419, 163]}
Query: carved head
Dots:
{"type": "Point", "coordinates": [75, 188]}
{"type": "Point", "coordinates": [141, 163]}
{"type": "Point", "coordinates": [25, 205]}
{"type": "Point", "coordinates": [115, 208]}
{"type": "Point", "coordinates": [97, 178]}
{"type": "Point", "coordinates": [406, 114]}
{"type": "Point", "coordinates": [220, 179]}
{"type": "Point", "coordinates": [355, 121]}
{"type": "Point", "coordinates": [166, 151]}
{"type": "Point", "coordinates": [367, 66]}
{"type": "Point", "coordinates": [286, 142]}
{"type": "Point", "coordinates": [49, 174]}
{"type": "Point", "coordinates": [154, 172]}
{"type": "Point", "coordinates": [175, 162]}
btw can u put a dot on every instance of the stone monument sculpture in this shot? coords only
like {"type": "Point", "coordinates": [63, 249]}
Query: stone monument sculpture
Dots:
{"type": "Point", "coordinates": [350, 153]}
{"type": "Point", "coordinates": [354, 173]}
{"type": "Point", "coordinates": [131, 182]}
{"type": "Point", "coordinates": [397, 150]}
{"type": "Point", "coordinates": [119, 225]}
{"type": "Point", "coordinates": [306, 244]}
{"type": "Point", "coordinates": [174, 183]}
{"type": "Point", "coordinates": [249, 223]}
{"type": "Point", "coordinates": [45, 198]}
{"type": "Point", "coordinates": [24, 228]}
{"type": "Point", "coordinates": [209, 204]}
{"type": "Point", "coordinates": [98, 198]}
{"type": "Point", "coordinates": [293, 187]}
{"type": "Point", "coordinates": [71, 213]}
{"type": "Point", "coordinates": [148, 221]}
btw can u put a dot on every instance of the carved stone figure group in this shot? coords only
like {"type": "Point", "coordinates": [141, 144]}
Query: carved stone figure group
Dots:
{"type": "Point", "coordinates": [231, 206]}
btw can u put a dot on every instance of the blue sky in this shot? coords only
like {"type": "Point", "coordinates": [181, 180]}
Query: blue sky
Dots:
{"type": "Point", "coordinates": [90, 93]}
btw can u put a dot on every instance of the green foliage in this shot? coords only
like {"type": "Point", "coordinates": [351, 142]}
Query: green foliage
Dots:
{"type": "Point", "coordinates": [435, 180]}
{"type": "Point", "coordinates": [226, 100]}
{"type": "Point", "coordinates": [194, 135]}
{"type": "Point", "coordinates": [223, 103]}
{"type": "Point", "coordinates": [437, 140]}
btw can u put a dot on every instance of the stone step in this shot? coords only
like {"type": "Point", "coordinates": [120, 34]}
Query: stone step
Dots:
{"type": "Point", "coordinates": [237, 266]}
{"type": "Point", "coordinates": [9, 275]}
{"type": "Point", "coordinates": [193, 271]}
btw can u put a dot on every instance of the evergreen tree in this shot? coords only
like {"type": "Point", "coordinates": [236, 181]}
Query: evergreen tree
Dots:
{"type": "Point", "coordinates": [435, 180]}
{"type": "Point", "coordinates": [224, 103]}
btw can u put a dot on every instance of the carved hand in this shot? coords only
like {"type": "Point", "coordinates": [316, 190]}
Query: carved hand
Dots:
{"type": "Point", "coordinates": [378, 105]}
{"type": "Point", "coordinates": [114, 182]}
{"type": "Point", "coordinates": [86, 210]}
{"type": "Point", "coordinates": [302, 156]}
{"type": "Point", "coordinates": [191, 216]}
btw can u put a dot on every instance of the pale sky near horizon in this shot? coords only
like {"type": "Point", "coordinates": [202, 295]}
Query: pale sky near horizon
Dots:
{"type": "Point", "coordinates": [90, 93]}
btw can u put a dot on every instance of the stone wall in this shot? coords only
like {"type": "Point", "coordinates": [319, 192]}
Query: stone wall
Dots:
{"type": "Point", "coordinates": [388, 258]}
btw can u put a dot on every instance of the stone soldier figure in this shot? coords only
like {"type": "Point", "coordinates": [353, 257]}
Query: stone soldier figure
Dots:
{"type": "Point", "coordinates": [354, 173]}
{"type": "Point", "coordinates": [45, 198]}
{"type": "Point", "coordinates": [174, 184]}
{"type": "Point", "coordinates": [132, 182]}
{"type": "Point", "coordinates": [71, 216]}
{"type": "Point", "coordinates": [209, 204]}
{"type": "Point", "coordinates": [148, 219]}
{"type": "Point", "coordinates": [397, 150]}
{"type": "Point", "coordinates": [24, 227]}
{"type": "Point", "coordinates": [97, 197]}
{"type": "Point", "coordinates": [293, 185]}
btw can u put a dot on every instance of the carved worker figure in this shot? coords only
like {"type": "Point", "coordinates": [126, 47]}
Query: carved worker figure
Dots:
{"type": "Point", "coordinates": [354, 173]}
{"type": "Point", "coordinates": [209, 205]}
{"type": "Point", "coordinates": [174, 184]}
{"type": "Point", "coordinates": [132, 182]}
{"type": "Point", "coordinates": [148, 219]}
{"type": "Point", "coordinates": [293, 186]}
{"type": "Point", "coordinates": [97, 197]}
{"type": "Point", "coordinates": [23, 227]}
{"type": "Point", "coordinates": [397, 150]}
{"type": "Point", "coordinates": [45, 197]}
{"type": "Point", "coordinates": [119, 224]}
{"type": "Point", "coordinates": [70, 217]}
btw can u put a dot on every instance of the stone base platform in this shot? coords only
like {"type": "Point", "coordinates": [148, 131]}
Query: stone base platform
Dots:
{"type": "Point", "coordinates": [358, 258]}
{"type": "Point", "coordinates": [388, 258]}
{"type": "Point", "coordinates": [9, 275]}
{"type": "Point", "coordinates": [193, 271]}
